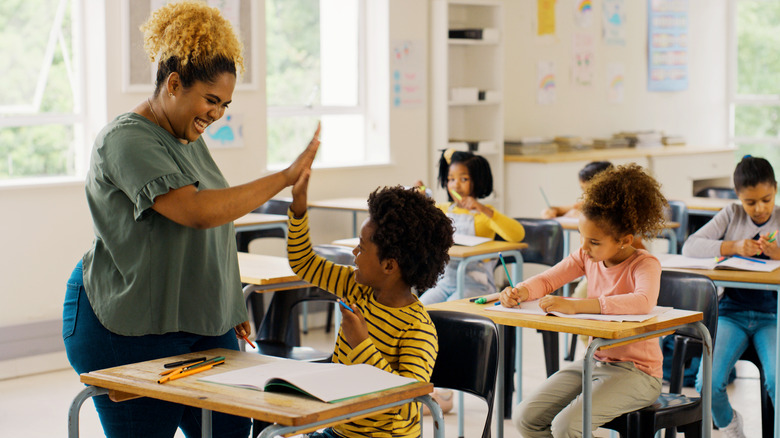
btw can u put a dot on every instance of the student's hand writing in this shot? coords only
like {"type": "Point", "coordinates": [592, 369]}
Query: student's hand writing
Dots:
{"type": "Point", "coordinates": [300, 192]}
{"type": "Point", "coordinates": [304, 160]}
{"type": "Point", "coordinates": [512, 296]}
{"type": "Point", "coordinates": [550, 213]}
{"type": "Point", "coordinates": [353, 326]}
{"type": "Point", "coordinates": [243, 329]}
{"type": "Point", "coordinates": [552, 303]}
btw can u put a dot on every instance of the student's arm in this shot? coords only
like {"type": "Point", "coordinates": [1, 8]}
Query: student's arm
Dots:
{"type": "Point", "coordinates": [202, 209]}
{"type": "Point", "coordinates": [556, 211]}
{"type": "Point", "coordinates": [506, 227]}
{"type": "Point", "coordinates": [417, 352]}
{"type": "Point", "coordinates": [567, 270]}
{"type": "Point", "coordinates": [708, 240]}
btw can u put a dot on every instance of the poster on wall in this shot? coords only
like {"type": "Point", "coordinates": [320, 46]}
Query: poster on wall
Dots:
{"type": "Point", "coordinates": [582, 59]}
{"type": "Point", "coordinates": [615, 78]}
{"type": "Point", "coordinates": [545, 91]}
{"type": "Point", "coordinates": [407, 71]}
{"type": "Point", "coordinates": [667, 45]}
{"type": "Point", "coordinates": [613, 19]}
{"type": "Point", "coordinates": [227, 132]}
{"type": "Point", "coordinates": [583, 13]}
{"type": "Point", "coordinates": [545, 17]}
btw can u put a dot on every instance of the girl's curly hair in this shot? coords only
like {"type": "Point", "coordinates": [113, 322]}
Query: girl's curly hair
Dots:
{"type": "Point", "coordinates": [625, 200]}
{"type": "Point", "coordinates": [192, 39]}
{"type": "Point", "coordinates": [411, 230]}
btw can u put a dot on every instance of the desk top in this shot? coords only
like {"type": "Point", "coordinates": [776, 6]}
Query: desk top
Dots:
{"type": "Point", "coordinates": [140, 380]}
{"type": "Point", "coordinates": [260, 219]}
{"type": "Point", "coordinates": [599, 329]}
{"type": "Point", "coordinates": [572, 223]}
{"type": "Point", "coordinates": [265, 270]}
{"type": "Point", "coordinates": [458, 251]}
{"type": "Point", "coordinates": [350, 204]}
{"type": "Point", "coordinates": [611, 154]}
{"type": "Point", "coordinates": [709, 204]}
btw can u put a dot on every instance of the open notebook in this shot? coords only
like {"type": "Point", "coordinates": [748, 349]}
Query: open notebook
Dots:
{"type": "Point", "coordinates": [327, 382]}
{"type": "Point", "coordinates": [532, 308]}
{"type": "Point", "coordinates": [737, 263]}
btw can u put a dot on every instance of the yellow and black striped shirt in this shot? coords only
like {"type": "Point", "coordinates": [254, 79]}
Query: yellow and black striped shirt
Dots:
{"type": "Point", "coordinates": [401, 340]}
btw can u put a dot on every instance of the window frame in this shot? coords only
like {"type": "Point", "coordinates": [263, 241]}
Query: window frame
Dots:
{"type": "Point", "coordinates": [734, 99]}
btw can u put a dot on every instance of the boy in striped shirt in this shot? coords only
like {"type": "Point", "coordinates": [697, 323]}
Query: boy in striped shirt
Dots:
{"type": "Point", "coordinates": [389, 327]}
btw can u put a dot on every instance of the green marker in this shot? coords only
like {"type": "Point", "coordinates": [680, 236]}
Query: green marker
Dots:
{"type": "Point", "coordinates": [456, 195]}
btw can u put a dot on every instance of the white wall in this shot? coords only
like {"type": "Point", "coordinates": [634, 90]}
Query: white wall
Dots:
{"type": "Point", "coordinates": [46, 229]}
{"type": "Point", "coordinates": [699, 113]}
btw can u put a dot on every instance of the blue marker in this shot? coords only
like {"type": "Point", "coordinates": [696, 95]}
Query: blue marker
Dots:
{"type": "Point", "coordinates": [345, 306]}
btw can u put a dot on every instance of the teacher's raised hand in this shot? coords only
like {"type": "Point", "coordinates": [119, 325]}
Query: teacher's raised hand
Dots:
{"type": "Point", "coordinates": [304, 160]}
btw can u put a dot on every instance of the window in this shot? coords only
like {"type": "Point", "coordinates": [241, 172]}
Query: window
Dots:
{"type": "Point", "coordinates": [316, 57]}
{"type": "Point", "coordinates": [42, 115]}
{"type": "Point", "coordinates": [754, 78]}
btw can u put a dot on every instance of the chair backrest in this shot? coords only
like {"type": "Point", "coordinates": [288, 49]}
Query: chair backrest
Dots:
{"type": "Point", "coordinates": [688, 291]}
{"type": "Point", "coordinates": [717, 192]}
{"type": "Point", "coordinates": [545, 241]}
{"type": "Point", "coordinates": [275, 206]}
{"type": "Point", "coordinates": [468, 356]}
{"type": "Point", "coordinates": [339, 254]}
{"type": "Point", "coordinates": [678, 212]}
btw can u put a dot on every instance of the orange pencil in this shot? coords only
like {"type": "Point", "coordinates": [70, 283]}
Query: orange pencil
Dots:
{"type": "Point", "coordinates": [170, 377]}
{"type": "Point", "coordinates": [248, 341]}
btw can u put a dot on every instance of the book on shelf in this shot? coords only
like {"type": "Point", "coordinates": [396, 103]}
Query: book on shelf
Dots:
{"type": "Point", "coordinates": [519, 148]}
{"type": "Point", "coordinates": [327, 382]}
{"type": "Point", "coordinates": [476, 146]}
{"type": "Point", "coordinates": [673, 140]}
{"type": "Point", "coordinates": [572, 143]}
{"type": "Point", "coordinates": [642, 139]}
{"type": "Point", "coordinates": [488, 34]}
{"type": "Point", "coordinates": [738, 263]}
{"type": "Point", "coordinates": [610, 143]}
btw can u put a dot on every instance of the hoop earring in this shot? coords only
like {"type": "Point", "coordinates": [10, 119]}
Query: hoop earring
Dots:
{"type": "Point", "coordinates": [170, 94]}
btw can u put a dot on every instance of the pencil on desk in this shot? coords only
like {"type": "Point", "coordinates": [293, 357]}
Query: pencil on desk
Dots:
{"type": "Point", "coordinates": [486, 299]}
{"type": "Point", "coordinates": [190, 372]}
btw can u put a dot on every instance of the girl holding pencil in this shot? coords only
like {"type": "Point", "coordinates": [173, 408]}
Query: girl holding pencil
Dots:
{"type": "Point", "coordinates": [619, 204]}
{"type": "Point", "coordinates": [747, 229]}
{"type": "Point", "coordinates": [467, 178]}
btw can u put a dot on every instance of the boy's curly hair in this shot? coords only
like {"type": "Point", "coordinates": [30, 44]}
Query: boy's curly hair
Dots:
{"type": "Point", "coordinates": [411, 230]}
{"type": "Point", "coordinates": [625, 200]}
{"type": "Point", "coordinates": [192, 39]}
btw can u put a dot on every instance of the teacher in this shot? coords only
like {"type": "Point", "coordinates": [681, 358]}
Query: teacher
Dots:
{"type": "Point", "coordinates": [161, 277]}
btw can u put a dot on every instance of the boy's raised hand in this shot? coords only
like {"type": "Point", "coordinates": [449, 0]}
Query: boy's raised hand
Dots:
{"type": "Point", "coordinates": [300, 192]}
{"type": "Point", "coordinates": [353, 325]}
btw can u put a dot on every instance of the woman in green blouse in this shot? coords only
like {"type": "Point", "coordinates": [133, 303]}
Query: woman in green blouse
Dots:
{"type": "Point", "coordinates": [161, 277]}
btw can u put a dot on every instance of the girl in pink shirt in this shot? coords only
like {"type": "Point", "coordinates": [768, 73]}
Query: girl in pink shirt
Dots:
{"type": "Point", "coordinates": [620, 203]}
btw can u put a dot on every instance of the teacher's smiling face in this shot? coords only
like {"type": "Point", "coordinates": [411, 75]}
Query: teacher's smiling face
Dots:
{"type": "Point", "coordinates": [191, 110]}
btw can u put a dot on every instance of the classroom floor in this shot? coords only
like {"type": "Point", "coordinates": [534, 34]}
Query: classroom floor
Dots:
{"type": "Point", "coordinates": [37, 405]}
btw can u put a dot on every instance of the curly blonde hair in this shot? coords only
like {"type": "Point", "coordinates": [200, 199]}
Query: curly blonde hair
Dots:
{"type": "Point", "coordinates": [625, 200]}
{"type": "Point", "coordinates": [192, 39]}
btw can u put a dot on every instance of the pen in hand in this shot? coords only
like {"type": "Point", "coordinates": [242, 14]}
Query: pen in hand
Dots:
{"type": "Point", "coordinates": [345, 306]}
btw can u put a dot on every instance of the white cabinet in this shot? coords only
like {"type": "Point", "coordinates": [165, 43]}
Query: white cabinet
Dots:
{"type": "Point", "coordinates": [462, 69]}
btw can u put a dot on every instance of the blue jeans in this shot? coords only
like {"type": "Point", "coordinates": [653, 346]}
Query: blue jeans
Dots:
{"type": "Point", "coordinates": [735, 330]}
{"type": "Point", "coordinates": [90, 346]}
{"type": "Point", "coordinates": [325, 433]}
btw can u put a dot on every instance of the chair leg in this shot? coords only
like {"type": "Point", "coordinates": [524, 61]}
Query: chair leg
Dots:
{"type": "Point", "coordinates": [329, 320]}
{"type": "Point", "coordinates": [572, 348]}
{"type": "Point", "coordinates": [551, 354]}
{"type": "Point", "coordinates": [509, 367]}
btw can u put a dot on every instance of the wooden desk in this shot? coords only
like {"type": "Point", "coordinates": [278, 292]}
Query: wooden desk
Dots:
{"type": "Point", "coordinates": [605, 334]}
{"type": "Point", "coordinates": [290, 413]}
{"type": "Point", "coordinates": [749, 280]}
{"type": "Point", "coordinates": [570, 224]}
{"type": "Point", "coordinates": [706, 206]}
{"type": "Point", "coordinates": [355, 205]}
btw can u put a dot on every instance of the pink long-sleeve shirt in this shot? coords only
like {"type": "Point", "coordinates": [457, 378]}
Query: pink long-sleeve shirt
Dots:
{"type": "Point", "coordinates": [630, 287]}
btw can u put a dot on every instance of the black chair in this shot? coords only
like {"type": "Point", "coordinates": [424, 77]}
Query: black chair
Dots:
{"type": "Point", "coordinates": [767, 408]}
{"type": "Point", "coordinates": [272, 206]}
{"type": "Point", "coordinates": [717, 192]}
{"type": "Point", "coordinates": [686, 291]}
{"type": "Point", "coordinates": [678, 212]}
{"type": "Point", "coordinates": [467, 336]}
{"type": "Point", "coordinates": [545, 247]}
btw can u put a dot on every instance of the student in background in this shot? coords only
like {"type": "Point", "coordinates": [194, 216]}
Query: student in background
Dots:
{"type": "Point", "coordinates": [585, 176]}
{"type": "Point", "coordinates": [387, 326]}
{"type": "Point", "coordinates": [467, 178]}
{"type": "Point", "coordinates": [744, 316]}
{"type": "Point", "coordinates": [161, 277]}
{"type": "Point", "coordinates": [619, 204]}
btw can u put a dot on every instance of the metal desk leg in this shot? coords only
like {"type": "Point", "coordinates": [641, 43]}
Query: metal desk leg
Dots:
{"type": "Point", "coordinates": [499, 401]}
{"type": "Point", "coordinates": [75, 407]}
{"type": "Point", "coordinates": [206, 423]}
{"type": "Point", "coordinates": [777, 373]}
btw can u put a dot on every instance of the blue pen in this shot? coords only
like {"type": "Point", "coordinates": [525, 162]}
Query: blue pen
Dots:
{"type": "Point", "coordinates": [345, 306]}
{"type": "Point", "coordinates": [749, 259]}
